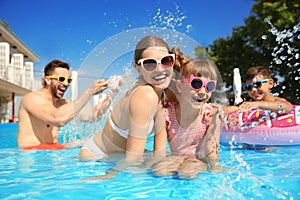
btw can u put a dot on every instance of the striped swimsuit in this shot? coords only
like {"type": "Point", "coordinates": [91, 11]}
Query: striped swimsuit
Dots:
{"type": "Point", "coordinates": [186, 141]}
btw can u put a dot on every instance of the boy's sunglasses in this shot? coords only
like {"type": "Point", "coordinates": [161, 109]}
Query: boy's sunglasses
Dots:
{"type": "Point", "coordinates": [196, 83]}
{"type": "Point", "coordinates": [256, 84]}
{"type": "Point", "coordinates": [150, 64]}
{"type": "Point", "coordinates": [61, 79]}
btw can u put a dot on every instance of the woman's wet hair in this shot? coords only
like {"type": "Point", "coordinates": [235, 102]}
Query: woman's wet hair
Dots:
{"type": "Point", "coordinates": [145, 43]}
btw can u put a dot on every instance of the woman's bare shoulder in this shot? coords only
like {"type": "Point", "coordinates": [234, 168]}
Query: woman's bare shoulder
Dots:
{"type": "Point", "coordinates": [145, 93]}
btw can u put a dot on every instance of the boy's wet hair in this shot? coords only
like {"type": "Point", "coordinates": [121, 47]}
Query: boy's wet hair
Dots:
{"type": "Point", "coordinates": [257, 70]}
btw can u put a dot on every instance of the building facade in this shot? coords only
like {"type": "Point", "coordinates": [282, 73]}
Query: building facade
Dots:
{"type": "Point", "coordinates": [16, 71]}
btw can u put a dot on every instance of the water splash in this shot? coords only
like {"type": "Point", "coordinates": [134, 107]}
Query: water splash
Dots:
{"type": "Point", "coordinates": [236, 182]}
{"type": "Point", "coordinates": [114, 57]}
{"type": "Point", "coordinates": [170, 20]}
{"type": "Point", "coordinates": [285, 61]}
{"type": "Point", "coordinates": [283, 38]}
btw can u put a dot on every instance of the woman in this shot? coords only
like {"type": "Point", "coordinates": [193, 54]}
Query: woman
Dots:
{"type": "Point", "coordinates": [140, 110]}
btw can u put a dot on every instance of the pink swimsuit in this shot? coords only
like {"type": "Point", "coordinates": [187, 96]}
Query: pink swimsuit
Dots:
{"type": "Point", "coordinates": [186, 141]}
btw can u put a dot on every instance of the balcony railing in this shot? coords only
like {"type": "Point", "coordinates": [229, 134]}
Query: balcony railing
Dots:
{"type": "Point", "coordinates": [21, 75]}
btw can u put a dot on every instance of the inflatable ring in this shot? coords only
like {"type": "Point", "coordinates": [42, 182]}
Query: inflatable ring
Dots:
{"type": "Point", "coordinates": [262, 127]}
{"type": "Point", "coordinates": [52, 146]}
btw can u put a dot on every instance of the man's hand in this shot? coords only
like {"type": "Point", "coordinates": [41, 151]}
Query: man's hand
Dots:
{"type": "Point", "coordinates": [98, 86]}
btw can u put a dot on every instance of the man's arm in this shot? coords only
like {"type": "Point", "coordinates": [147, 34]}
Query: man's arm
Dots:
{"type": "Point", "coordinates": [44, 110]}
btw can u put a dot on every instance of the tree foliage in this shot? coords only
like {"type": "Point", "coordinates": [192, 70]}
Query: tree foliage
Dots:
{"type": "Point", "coordinates": [270, 38]}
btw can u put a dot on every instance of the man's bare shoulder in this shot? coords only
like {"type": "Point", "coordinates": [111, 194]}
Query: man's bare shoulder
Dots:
{"type": "Point", "coordinates": [61, 102]}
{"type": "Point", "coordinates": [34, 94]}
{"type": "Point", "coordinates": [34, 98]}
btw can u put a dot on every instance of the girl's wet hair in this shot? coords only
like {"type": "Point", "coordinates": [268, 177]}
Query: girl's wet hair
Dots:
{"type": "Point", "coordinates": [145, 43]}
{"type": "Point", "coordinates": [257, 70]}
{"type": "Point", "coordinates": [185, 66]}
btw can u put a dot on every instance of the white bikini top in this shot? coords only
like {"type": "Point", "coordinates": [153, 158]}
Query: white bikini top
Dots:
{"type": "Point", "coordinates": [124, 133]}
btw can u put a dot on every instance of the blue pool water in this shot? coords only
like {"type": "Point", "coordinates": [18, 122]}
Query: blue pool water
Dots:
{"type": "Point", "coordinates": [58, 175]}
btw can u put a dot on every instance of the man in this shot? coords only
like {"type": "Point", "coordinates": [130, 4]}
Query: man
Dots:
{"type": "Point", "coordinates": [42, 112]}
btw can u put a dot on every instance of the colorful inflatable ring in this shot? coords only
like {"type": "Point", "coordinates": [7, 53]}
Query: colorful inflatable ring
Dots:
{"type": "Point", "coordinates": [262, 127]}
{"type": "Point", "coordinates": [53, 146]}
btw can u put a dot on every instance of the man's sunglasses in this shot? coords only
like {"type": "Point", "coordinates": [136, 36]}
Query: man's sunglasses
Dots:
{"type": "Point", "coordinates": [196, 83]}
{"type": "Point", "coordinates": [150, 64]}
{"type": "Point", "coordinates": [61, 79]}
{"type": "Point", "coordinates": [256, 84]}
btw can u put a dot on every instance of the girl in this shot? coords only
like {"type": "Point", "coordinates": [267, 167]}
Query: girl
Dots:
{"type": "Point", "coordinates": [193, 124]}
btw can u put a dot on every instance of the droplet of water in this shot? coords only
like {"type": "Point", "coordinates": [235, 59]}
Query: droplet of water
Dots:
{"type": "Point", "coordinates": [278, 61]}
{"type": "Point", "coordinates": [267, 20]}
{"type": "Point", "coordinates": [264, 37]}
{"type": "Point", "coordinates": [283, 57]}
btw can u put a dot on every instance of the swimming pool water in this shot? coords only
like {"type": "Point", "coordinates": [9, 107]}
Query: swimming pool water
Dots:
{"type": "Point", "coordinates": [58, 175]}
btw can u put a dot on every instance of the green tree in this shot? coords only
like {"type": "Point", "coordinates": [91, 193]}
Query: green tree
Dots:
{"type": "Point", "coordinates": [270, 38]}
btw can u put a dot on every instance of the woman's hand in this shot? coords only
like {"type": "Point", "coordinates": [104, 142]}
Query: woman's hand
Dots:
{"type": "Point", "coordinates": [111, 174]}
